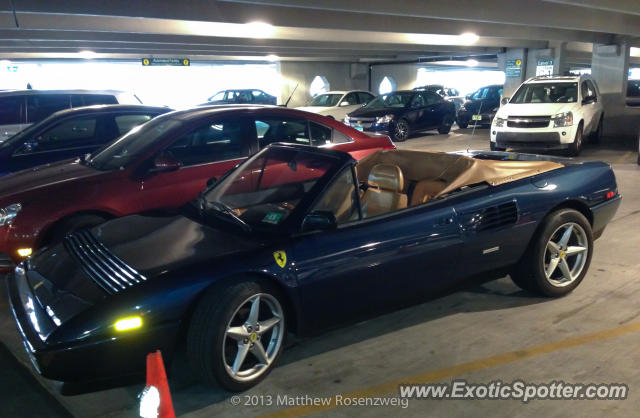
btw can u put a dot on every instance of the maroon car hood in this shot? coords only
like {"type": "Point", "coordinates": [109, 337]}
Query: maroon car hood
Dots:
{"type": "Point", "coordinates": [44, 176]}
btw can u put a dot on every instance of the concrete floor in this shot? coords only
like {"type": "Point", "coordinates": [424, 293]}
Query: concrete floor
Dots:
{"type": "Point", "coordinates": [463, 335]}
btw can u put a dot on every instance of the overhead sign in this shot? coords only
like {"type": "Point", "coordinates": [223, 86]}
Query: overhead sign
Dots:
{"type": "Point", "coordinates": [544, 67]}
{"type": "Point", "coordinates": [181, 62]}
{"type": "Point", "coordinates": [514, 68]}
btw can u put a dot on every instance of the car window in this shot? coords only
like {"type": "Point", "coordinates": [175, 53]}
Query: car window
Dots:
{"type": "Point", "coordinates": [339, 137]}
{"type": "Point", "coordinates": [296, 131]}
{"type": "Point", "coordinates": [125, 123]}
{"type": "Point", "coordinates": [96, 99]}
{"type": "Point", "coordinates": [591, 88]}
{"type": "Point", "coordinates": [320, 134]}
{"type": "Point", "coordinates": [12, 110]}
{"type": "Point", "coordinates": [350, 100]}
{"type": "Point", "coordinates": [218, 96]}
{"type": "Point", "coordinates": [39, 106]}
{"type": "Point", "coordinates": [217, 141]}
{"type": "Point", "coordinates": [480, 94]}
{"type": "Point", "coordinates": [340, 198]}
{"type": "Point", "coordinates": [418, 100]}
{"type": "Point", "coordinates": [584, 89]}
{"type": "Point", "coordinates": [431, 98]}
{"type": "Point", "coordinates": [552, 92]}
{"type": "Point", "coordinates": [76, 132]}
{"type": "Point", "coordinates": [364, 97]}
{"type": "Point", "coordinates": [257, 94]}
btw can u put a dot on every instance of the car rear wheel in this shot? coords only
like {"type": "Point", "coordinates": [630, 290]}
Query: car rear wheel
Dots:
{"type": "Point", "coordinates": [576, 146]}
{"type": "Point", "coordinates": [236, 334]}
{"type": "Point", "coordinates": [462, 125]}
{"type": "Point", "coordinates": [401, 130]}
{"type": "Point", "coordinates": [558, 257]}
{"type": "Point", "coordinates": [445, 127]}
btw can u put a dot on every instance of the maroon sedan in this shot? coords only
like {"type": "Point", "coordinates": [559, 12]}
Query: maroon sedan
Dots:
{"type": "Point", "coordinates": [162, 164]}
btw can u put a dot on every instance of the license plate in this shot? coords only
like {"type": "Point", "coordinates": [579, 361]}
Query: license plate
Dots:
{"type": "Point", "coordinates": [476, 117]}
{"type": "Point", "coordinates": [359, 128]}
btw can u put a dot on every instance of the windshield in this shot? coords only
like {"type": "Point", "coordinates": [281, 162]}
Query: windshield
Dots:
{"type": "Point", "coordinates": [326, 100]}
{"type": "Point", "coordinates": [546, 93]}
{"type": "Point", "coordinates": [124, 150]}
{"type": "Point", "coordinates": [265, 190]}
{"type": "Point", "coordinates": [398, 99]}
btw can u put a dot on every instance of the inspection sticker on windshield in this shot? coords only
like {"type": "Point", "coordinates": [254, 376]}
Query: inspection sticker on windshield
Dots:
{"type": "Point", "coordinates": [272, 218]}
{"type": "Point", "coordinates": [281, 258]}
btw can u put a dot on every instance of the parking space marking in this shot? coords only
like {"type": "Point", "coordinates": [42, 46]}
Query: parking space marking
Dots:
{"type": "Point", "coordinates": [464, 368]}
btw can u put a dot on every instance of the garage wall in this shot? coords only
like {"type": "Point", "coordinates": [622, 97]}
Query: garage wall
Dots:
{"type": "Point", "coordinates": [404, 75]}
{"type": "Point", "coordinates": [341, 76]}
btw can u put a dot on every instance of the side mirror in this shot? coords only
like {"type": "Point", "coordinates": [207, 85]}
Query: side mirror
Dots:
{"type": "Point", "coordinates": [589, 100]}
{"type": "Point", "coordinates": [468, 97]}
{"type": "Point", "coordinates": [344, 103]}
{"type": "Point", "coordinates": [504, 101]}
{"type": "Point", "coordinates": [165, 162]}
{"type": "Point", "coordinates": [320, 220]}
{"type": "Point", "coordinates": [30, 146]}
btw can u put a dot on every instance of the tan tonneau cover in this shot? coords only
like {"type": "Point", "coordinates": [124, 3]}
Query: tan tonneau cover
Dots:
{"type": "Point", "coordinates": [455, 170]}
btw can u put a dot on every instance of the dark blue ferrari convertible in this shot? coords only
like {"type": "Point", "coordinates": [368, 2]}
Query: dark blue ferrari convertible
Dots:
{"type": "Point", "coordinates": [300, 239]}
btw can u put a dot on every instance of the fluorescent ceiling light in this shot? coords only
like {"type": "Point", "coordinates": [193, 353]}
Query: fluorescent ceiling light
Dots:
{"type": "Point", "coordinates": [230, 30]}
{"type": "Point", "coordinates": [436, 39]}
{"type": "Point", "coordinates": [4, 63]}
{"type": "Point", "coordinates": [259, 29]}
{"type": "Point", "coordinates": [471, 62]}
{"type": "Point", "coordinates": [87, 54]}
{"type": "Point", "coordinates": [272, 58]}
{"type": "Point", "coordinates": [634, 52]}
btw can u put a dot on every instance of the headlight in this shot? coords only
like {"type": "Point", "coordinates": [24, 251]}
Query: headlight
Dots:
{"type": "Point", "coordinates": [384, 119]}
{"type": "Point", "coordinates": [7, 214]}
{"type": "Point", "coordinates": [499, 122]}
{"type": "Point", "coordinates": [346, 120]}
{"type": "Point", "coordinates": [563, 119]}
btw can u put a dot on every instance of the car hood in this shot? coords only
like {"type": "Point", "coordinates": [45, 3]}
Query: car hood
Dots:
{"type": "Point", "coordinates": [535, 109]}
{"type": "Point", "coordinates": [372, 113]}
{"type": "Point", "coordinates": [44, 176]}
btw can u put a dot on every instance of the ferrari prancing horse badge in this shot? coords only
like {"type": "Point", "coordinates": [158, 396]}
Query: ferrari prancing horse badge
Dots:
{"type": "Point", "coordinates": [281, 258]}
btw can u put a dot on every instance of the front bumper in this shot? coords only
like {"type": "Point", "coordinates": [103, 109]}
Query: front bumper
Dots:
{"type": "Point", "coordinates": [466, 117]}
{"type": "Point", "coordinates": [80, 361]}
{"type": "Point", "coordinates": [603, 213]}
{"type": "Point", "coordinates": [533, 138]}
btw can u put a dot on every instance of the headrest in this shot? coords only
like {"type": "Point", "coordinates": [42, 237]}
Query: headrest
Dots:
{"type": "Point", "coordinates": [386, 177]}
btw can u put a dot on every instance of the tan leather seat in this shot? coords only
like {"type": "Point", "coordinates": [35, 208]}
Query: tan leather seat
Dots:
{"type": "Point", "coordinates": [384, 194]}
{"type": "Point", "coordinates": [425, 190]}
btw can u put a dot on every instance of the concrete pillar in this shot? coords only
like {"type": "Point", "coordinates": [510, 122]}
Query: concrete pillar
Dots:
{"type": "Point", "coordinates": [514, 63]}
{"type": "Point", "coordinates": [556, 54]}
{"type": "Point", "coordinates": [610, 68]}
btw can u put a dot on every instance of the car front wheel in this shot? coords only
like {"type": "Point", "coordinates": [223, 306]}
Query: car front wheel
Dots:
{"type": "Point", "coordinates": [445, 126]}
{"type": "Point", "coordinates": [576, 146]}
{"type": "Point", "coordinates": [236, 334]}
{"type": "Point", "coordinates": [400, 130]}
{"type": "Point", "coordinates": [558, 257]}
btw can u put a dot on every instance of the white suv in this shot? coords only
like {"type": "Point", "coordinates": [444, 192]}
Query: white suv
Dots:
{"type": "Point", "coordinates": [550, 112]}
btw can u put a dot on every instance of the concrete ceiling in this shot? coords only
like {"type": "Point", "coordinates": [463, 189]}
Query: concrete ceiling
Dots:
{"type": "Point", "coordinates": [314, 30]}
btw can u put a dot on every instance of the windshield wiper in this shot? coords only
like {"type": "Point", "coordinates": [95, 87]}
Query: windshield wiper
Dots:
{"type": "Point", "coordinates": [220, 207]}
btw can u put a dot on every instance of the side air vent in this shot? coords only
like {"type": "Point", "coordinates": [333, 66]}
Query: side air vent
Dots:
{"type": "Point", "coordinates": [497, 216]}
{"type": "Point", "coordinates": [101, 265]}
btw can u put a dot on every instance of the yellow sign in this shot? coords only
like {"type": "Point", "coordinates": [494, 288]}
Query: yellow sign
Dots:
{"type": "Point", "coordinates": [145, 61]}
{"type": "Point", "coordinates": [281, 258]}
{"type": "Point", "coordinates": [518, 62]}
{"type": "Point", "coordinates": [185, 62]}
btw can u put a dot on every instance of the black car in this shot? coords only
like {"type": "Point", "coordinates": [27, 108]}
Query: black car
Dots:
{"type": "Point", "coordinates": [241, 96]}
{"type": "Point", "coordinates": [71, 133]}
{"type": "Point", "coordinates": [480, 107]}
{"type": "Point", "coordinates": [402, 112]}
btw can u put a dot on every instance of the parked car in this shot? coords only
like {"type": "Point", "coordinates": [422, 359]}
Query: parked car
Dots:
{"type": "Point", "coordinates": [633, 93]}
{"type": "Point", "coordinates": [292, 240]}
{"type": "Point", "coordinates": [164, 164]}
{"type": "Point", "coordinates": [70, 133]}
{"type": "Point", "coordinates": [480, 107]}
{"type": "Point", "coordinates": [338, 104]}
{"type": "Point", "coordinates": [448, 93]}
{"type": "Point", "coordinates": [400, 113]}
{"type": "Point", "coordinates": [21, 108]}
{"type": "Point", "coordinates": [550, 113]}
{"type": "Point", "coordinates": [241, 96]}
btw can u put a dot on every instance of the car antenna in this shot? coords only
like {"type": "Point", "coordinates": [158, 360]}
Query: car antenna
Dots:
{"type": "Point", "coordinates": [475, 123]}
{"type": "Point", "coordinates": [291, 95]}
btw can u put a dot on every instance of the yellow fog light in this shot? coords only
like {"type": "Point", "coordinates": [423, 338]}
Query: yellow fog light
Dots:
{"type": "Point", "coordinates": [126, 324]}
{"type": "Point", "coordinates": [24, 252]}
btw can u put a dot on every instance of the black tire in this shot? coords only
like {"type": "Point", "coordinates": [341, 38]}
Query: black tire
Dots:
{"type": "Point", "coordinates": [462, 125]}
{"type": "Point", "coordinates": [73, 224]}
{"type": "Point", "coordinates": [576, 146]}
{"type": "Point", "coordinates": [596, 136]}
{"type": "Point", "coordinates": [529, 273]}
{"type": "Point", "coordinates": [206, 335]}
{"type": "Point", "coordinates": [400, 131]}
{"type": "Point", "coordinates": [493, 147]}
{"type": "Point", "coordinates": [445, 126]}
{"type": "Point", "coordinates": [638, 158]}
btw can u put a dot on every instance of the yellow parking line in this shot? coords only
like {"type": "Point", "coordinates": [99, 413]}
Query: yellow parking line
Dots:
{"type": "Point", "coordinates": [464, 368]}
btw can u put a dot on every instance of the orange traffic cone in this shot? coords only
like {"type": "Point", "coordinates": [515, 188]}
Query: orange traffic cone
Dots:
{"type": "Point", "coordinates": [155, 400]}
